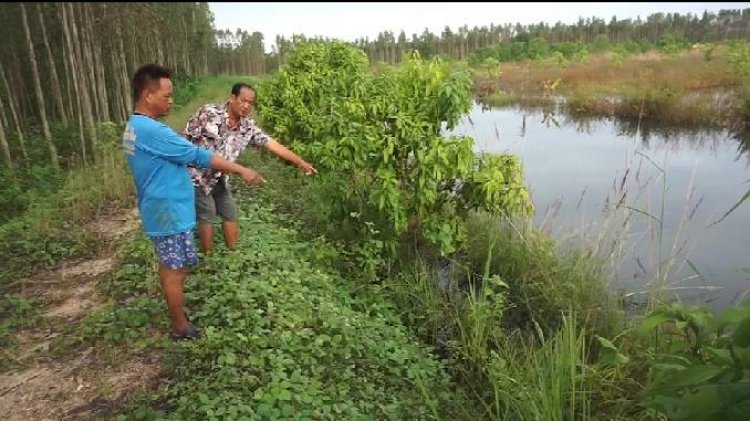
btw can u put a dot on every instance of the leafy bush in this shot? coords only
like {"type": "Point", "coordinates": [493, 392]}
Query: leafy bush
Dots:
{"type": "Point", "coordinates": [673, 43]}
{"type": "Point", "coordinates": [385, 167]}
{"type": "Point", "coordinates": [700, 363]}
{"type": "Point", "coordinates": [601, 44]}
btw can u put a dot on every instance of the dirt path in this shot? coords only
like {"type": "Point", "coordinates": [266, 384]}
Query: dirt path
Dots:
{"type": "Point", "coordinates": [55, 383]}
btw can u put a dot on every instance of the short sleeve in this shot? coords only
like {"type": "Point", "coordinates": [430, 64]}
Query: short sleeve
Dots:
{"type": "Point", "coordinates": [175, 148]}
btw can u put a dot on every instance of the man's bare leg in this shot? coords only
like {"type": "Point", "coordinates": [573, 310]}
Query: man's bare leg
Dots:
{"type": "Point", "coordinates": [231, 234]}
{"type": "Point", "coordinates": [206, 235]}
{"type": "Point", "coordinates": [172, 281]}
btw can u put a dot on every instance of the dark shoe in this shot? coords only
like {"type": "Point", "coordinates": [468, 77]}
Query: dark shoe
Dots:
{"type": "Point", "coordinates": [192, 332]}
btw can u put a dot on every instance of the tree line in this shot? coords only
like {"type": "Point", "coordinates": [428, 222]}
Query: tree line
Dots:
{"type": "Point", "coordinates": [724, 25]}
{"type": "Point", "coordinates": [65, 67]}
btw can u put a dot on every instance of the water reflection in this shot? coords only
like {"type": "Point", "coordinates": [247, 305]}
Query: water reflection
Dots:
{"type": "Point", "coordinates": [645, 130]}
{"type": "Point", "coordinates": [644, 194]}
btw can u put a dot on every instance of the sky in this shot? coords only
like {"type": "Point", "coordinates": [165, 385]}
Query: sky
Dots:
{"type": "Point", "coordinates": [348, 21]}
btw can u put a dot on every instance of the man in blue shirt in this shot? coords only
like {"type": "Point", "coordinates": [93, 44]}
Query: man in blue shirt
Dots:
{"type": "Point", "coordinates": [158, 159]}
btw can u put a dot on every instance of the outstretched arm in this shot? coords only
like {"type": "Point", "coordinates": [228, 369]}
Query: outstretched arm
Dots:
{"type": "Point", "coordinates": [249, 176]}
{"type": "Point", "coordinates": [282, 152]}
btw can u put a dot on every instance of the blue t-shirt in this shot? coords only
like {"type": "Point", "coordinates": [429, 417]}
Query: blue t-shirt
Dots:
{"type": "Point", "coordinates": [158, 158]}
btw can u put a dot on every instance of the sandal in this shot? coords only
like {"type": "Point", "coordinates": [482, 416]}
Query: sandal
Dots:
{"type": "Point", "coordinates": [191, 332]}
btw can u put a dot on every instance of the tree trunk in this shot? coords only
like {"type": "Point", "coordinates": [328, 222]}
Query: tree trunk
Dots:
{"type": "Point", "coordinates": [86, 100]}
{"type": "Point", "coordinates": [69, 79]}
{"type": "Point", "coordinates": [57, 92]}
{"type": "Point", "coordinates": [67, 24]}
{"type": "Point", "coordinates": [159, 50]}
{"type": "Point", "coordinates": [126, 95]}
{"type": "Point", "coordinates": [66, 62]}
{"type": "Point", "coordinates": [185, 47]}
{"type": "Point", "coordinates": [87, 63]}
{"type": "Point", "coordinates": [117, 109]}
{"type": "Point", "coordinates": [3, 139]}
{"type": "Point", "coordinates": [194, 62]}
{"type": "Point", "coordinates": [14, 114]}
{"type": "Point", "coordinates": [99, 69]}
{"type": "Point", "coordinates": [117, 92]}
{"type": "Point", "coordinates": [38, 89]}
{"type": "Point", "coordinates": [103, 94]}
{"type": "Point", "coordinates": [23, 100]}
{"type": "Point", "coordinates": [134, 58]}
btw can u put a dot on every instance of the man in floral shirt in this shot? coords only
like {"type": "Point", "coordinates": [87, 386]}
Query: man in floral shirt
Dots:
{"type": "Point", "coordinates": [227, 129]}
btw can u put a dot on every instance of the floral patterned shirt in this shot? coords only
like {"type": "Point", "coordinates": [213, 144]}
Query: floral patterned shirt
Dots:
{"type": "Point", "coordinates": [209, 128]}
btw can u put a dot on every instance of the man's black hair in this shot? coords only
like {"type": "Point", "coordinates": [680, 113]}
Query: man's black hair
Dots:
{"type": "Point", "coordinates": [146, 75]}
{"type": "Point", "coordinates": [237, 87]}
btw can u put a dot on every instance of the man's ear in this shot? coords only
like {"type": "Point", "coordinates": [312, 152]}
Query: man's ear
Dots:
{"type": "Point", "coordinates": [150, 94]}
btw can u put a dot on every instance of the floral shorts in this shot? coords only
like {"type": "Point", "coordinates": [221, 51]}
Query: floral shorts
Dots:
{"type": "Point", "coordinates": [176, 251]}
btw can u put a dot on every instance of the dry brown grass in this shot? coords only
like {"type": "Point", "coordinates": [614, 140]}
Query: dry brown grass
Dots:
{"type": "Point", "coordinates": [684, 89]}
{"type": "Point", "coordinates": [688, 72]}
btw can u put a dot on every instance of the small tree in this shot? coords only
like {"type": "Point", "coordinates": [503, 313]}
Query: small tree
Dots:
{"type": "Point", "coordinates": [385, 165]}
{"type": "Point", "coordinates": [601, 44]}
{"type": "Point", "coordinates": [673, 43]}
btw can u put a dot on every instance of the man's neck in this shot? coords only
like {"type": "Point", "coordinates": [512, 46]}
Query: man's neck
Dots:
{"type": "Point", "coordinates": [233, 119]}
{"type": "Point", "coordinates": [143, 111]}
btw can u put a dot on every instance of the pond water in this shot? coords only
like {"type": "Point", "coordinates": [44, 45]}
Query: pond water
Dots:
{"type": "Point", "coordinates": [640, 194]}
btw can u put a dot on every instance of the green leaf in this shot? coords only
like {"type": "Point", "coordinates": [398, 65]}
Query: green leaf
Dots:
{"type": "Point", "coordinates": [723, 356]}
{"type": "Point", "coordinates": [264, 409]}
{"type": "Point", "coordinates": [731, 316]}
{"type": "Point", "coordinates": [743, 354]}
{"type": "Point", "coordinates": [673, 407]}
{"type": "Point", "coordinates": [230, 358]}
{"type": "Point", "coordinates": [285, 395]}
{"type": "Point", "coordinates": [610, 354]}
{"type": "Point", "coordinates": [708, 402]}
{"type": "Point", "coordinates": [653, 321]}
{"type": "Point", "coordinates": [735, 398]}
{"type": "Point", "coordinates": [691, 376]}
{"type": "Point", "coordinates": [287, 410]}
{"type": "Point", "coordinates": [701, 404]}
{"type": "Point", "coordinates": [606, 343]}
{"type": "Point", "coordinates": [668, 366]}
{"type": "Point", "coordinates": [741, 335]}
{"type": "Point", "coordinates": [734, 207]}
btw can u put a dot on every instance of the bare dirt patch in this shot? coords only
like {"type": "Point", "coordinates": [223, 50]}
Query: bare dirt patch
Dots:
{"type": "Point", "coordinates": [77, 383]}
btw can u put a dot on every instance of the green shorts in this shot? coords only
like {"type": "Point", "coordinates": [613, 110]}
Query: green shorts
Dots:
{"type": "Point", "coordinates": [219, 201]}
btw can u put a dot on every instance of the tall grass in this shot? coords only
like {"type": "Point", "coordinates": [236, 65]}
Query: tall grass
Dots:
{"type": "Point", "coordinates": [546, 382]}
{"type": "Point", "coordinates": [517, 368]}
{"type": "Point", "coordinates": [544, 279]}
